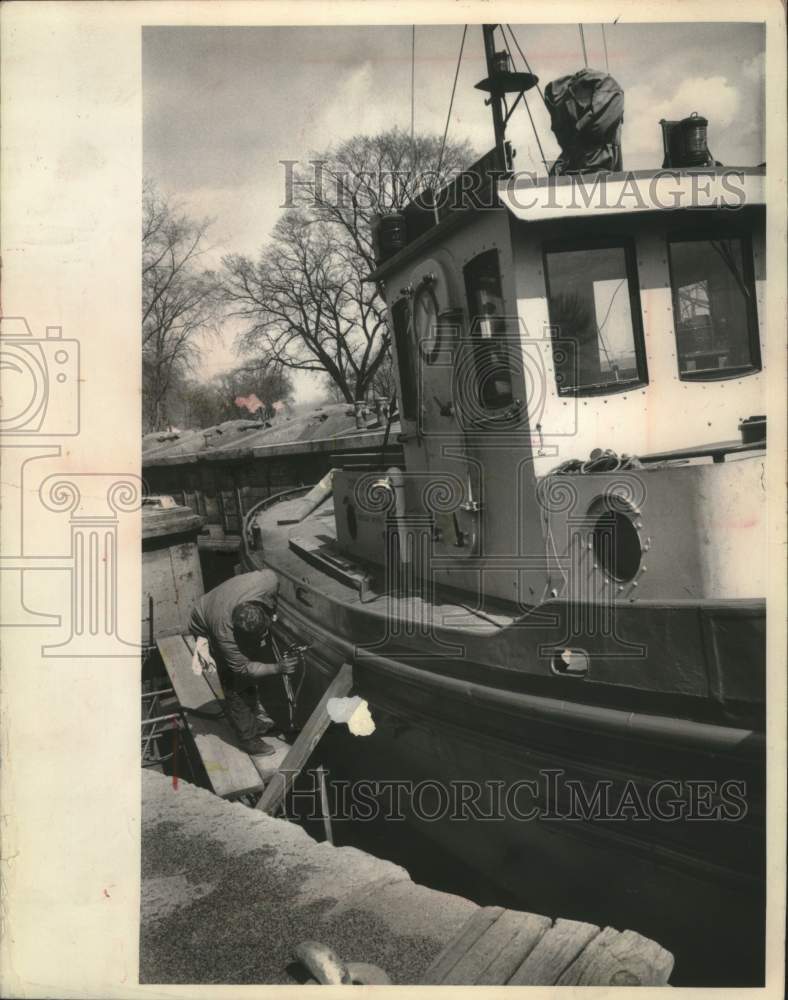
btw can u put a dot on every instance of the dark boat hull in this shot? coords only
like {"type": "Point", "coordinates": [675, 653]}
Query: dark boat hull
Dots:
{"type": "Point", "coordinates": [695, 884]}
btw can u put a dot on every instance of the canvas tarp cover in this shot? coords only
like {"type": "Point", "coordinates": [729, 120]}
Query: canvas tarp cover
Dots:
{"type": "Point", "coordinates": [586, 111]}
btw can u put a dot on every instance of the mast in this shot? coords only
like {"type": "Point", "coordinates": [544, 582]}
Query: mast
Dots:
{"type": "Point", "coordinates": [495, 99]}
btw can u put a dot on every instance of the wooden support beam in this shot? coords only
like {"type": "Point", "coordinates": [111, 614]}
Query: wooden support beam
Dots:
{"type": "Point", "coordinates": [317, 723]}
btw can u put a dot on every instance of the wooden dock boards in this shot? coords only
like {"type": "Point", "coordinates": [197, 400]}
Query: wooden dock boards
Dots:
{"type": "Point", "coordinates": [307, 740]}
{"type": "Point", "coordinates": [498, 947]}
{"type": "Point", "coordinates": [230, 770]}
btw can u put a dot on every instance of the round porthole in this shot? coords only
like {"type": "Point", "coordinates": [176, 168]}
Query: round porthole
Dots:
{"type": "Point", "coordinates": [616, 543]}
{"type": "Point", "coordinates": [352, 523]}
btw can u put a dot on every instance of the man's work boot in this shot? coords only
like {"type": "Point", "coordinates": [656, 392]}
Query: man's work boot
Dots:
{"type": "Point", "coordinates": [257, 747]}
{"type": "Point", "coordinates": [264, 728]}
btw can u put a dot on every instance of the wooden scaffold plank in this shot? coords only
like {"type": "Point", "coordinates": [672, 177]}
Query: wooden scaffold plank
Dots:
{"type": "Point", "coordinates": [316, 725]}
{"type": "Point", "coordinates": [229, 769]}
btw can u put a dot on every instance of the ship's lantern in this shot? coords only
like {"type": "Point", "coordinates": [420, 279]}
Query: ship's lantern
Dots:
{"type": "Point", "coordinates": [615, 540]}
{"type": "Point", "coordinates": [685, 142]}
{"type": "Point", "coordinates": [388, 235]}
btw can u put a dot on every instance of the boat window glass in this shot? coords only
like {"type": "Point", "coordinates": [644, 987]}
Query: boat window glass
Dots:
{"type": "Point", "coordinates": [714, 308]}
{"type": "Point", "coordinates": [489, 342]}
{"type": "Point", "coordinates": [400, 321]}
{"type": "Point", "coordinates": [595, 319]}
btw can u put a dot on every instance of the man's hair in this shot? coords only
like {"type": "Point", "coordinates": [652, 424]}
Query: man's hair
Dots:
{"type": "Point", "coordinates": [249, 619]}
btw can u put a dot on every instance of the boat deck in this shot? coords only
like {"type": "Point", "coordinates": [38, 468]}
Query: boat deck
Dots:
{"type": "Point", "coordinates": [290, 540]}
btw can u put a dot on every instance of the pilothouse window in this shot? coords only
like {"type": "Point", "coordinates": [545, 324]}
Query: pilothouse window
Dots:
{"type": "Point", "coordinates": [400, 316]}
{"type": "Point", "coordinates": [489, 341]}
{"type": "Point", "coordinates": [594, 313]}
{"type": "Point", "coordinates": [714, 308]}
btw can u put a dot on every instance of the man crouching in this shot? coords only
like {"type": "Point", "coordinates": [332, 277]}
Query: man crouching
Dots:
{"type": "Point", "coordinates": [235, 621]}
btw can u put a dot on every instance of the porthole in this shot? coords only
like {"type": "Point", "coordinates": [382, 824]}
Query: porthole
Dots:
{"type": "Point", "coordinates": [616, 543]}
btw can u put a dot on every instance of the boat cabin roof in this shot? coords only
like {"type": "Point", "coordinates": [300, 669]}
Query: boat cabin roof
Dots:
{"type": "Point", "coordinates": [534, 199]}
{"type": "Point", "coordinates": [578, 195]}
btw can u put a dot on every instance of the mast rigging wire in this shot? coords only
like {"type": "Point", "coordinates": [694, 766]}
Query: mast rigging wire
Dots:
{"type": "Point", "coordinates": [451, 103]}
{"type": "Point", "coordinates": [525, 99]}
{"type": "Point", "coordinates": [604, 42]}
{"type": "Point", "coordinates": [527, 64]}
{"type": "Point", "coordinates": [412, 93]}
{"type": "Point", "coordinates": [583, 43]}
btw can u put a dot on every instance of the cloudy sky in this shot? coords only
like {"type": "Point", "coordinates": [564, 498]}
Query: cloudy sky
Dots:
{"type": "Point", "coordinates": [222, 106]}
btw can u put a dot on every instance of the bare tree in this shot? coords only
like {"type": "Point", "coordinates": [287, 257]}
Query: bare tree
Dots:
{"type": "Point", "coordinates": [180, 300]}
{"type": "Point", "coordinates": [375, 175]}
{"type": "Point", "coordinates": [305, 303]}
{"type": "Point", "coordinates": [306, 307]}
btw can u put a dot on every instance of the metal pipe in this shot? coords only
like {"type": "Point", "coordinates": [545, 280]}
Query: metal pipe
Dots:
{"type": "Point", "coordinates": [324, 808]}
{"type": "Point", "coordinates": [160, 718]}
{"type": "Point", "coordinates": [153, 694]}
{"type": "Point", "coordinates": [260, 506]}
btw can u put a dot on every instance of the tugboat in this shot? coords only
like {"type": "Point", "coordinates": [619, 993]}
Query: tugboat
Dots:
{"type": "Point", "coordinates": [560, 587]}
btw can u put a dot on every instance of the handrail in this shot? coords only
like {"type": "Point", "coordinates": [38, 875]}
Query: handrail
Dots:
{"type": "Point", "coordinates": [716, 451]}
{"type": "Point", "coordinates": [261, 505]}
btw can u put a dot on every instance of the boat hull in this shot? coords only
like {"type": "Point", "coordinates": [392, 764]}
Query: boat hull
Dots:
{"type": "Point", "coordinates": [575, 813]}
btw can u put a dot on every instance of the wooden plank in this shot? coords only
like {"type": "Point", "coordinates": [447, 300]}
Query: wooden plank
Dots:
{"type": "Point", "coordinates": [230, 770]}
{"type": "Point", "coordinates": [529, 929]}
{"type": "Point", "coordinates": [554, 953]}
{"type": "Point", "coordinates": [477, 924]}
{"type": "Point", "coordinates": [614, 958]}
{"type": "Point", "coordinates": [512, 932]}
{"type": "Point", "coordinates": [192, 689]}
{"type": "Point", "coordinates": [266, 766]}
{"type": "Point", "coordinates": [307, 740]}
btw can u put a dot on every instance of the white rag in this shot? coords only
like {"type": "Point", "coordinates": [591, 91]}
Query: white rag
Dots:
{"type": "Point", "coordinates": [201, 658]}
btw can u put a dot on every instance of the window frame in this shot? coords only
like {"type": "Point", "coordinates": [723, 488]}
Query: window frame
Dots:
{"type": "Point", "coordinates": [403, 341]}
{"type": "Point", "coordinates": [490, 413]}
{"type": "Point", "coordinates": [427, 289]}
{"type": "Point", "coordinates": [706, 235]}
{"type": "Point", "coordinates": [627, 244]}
